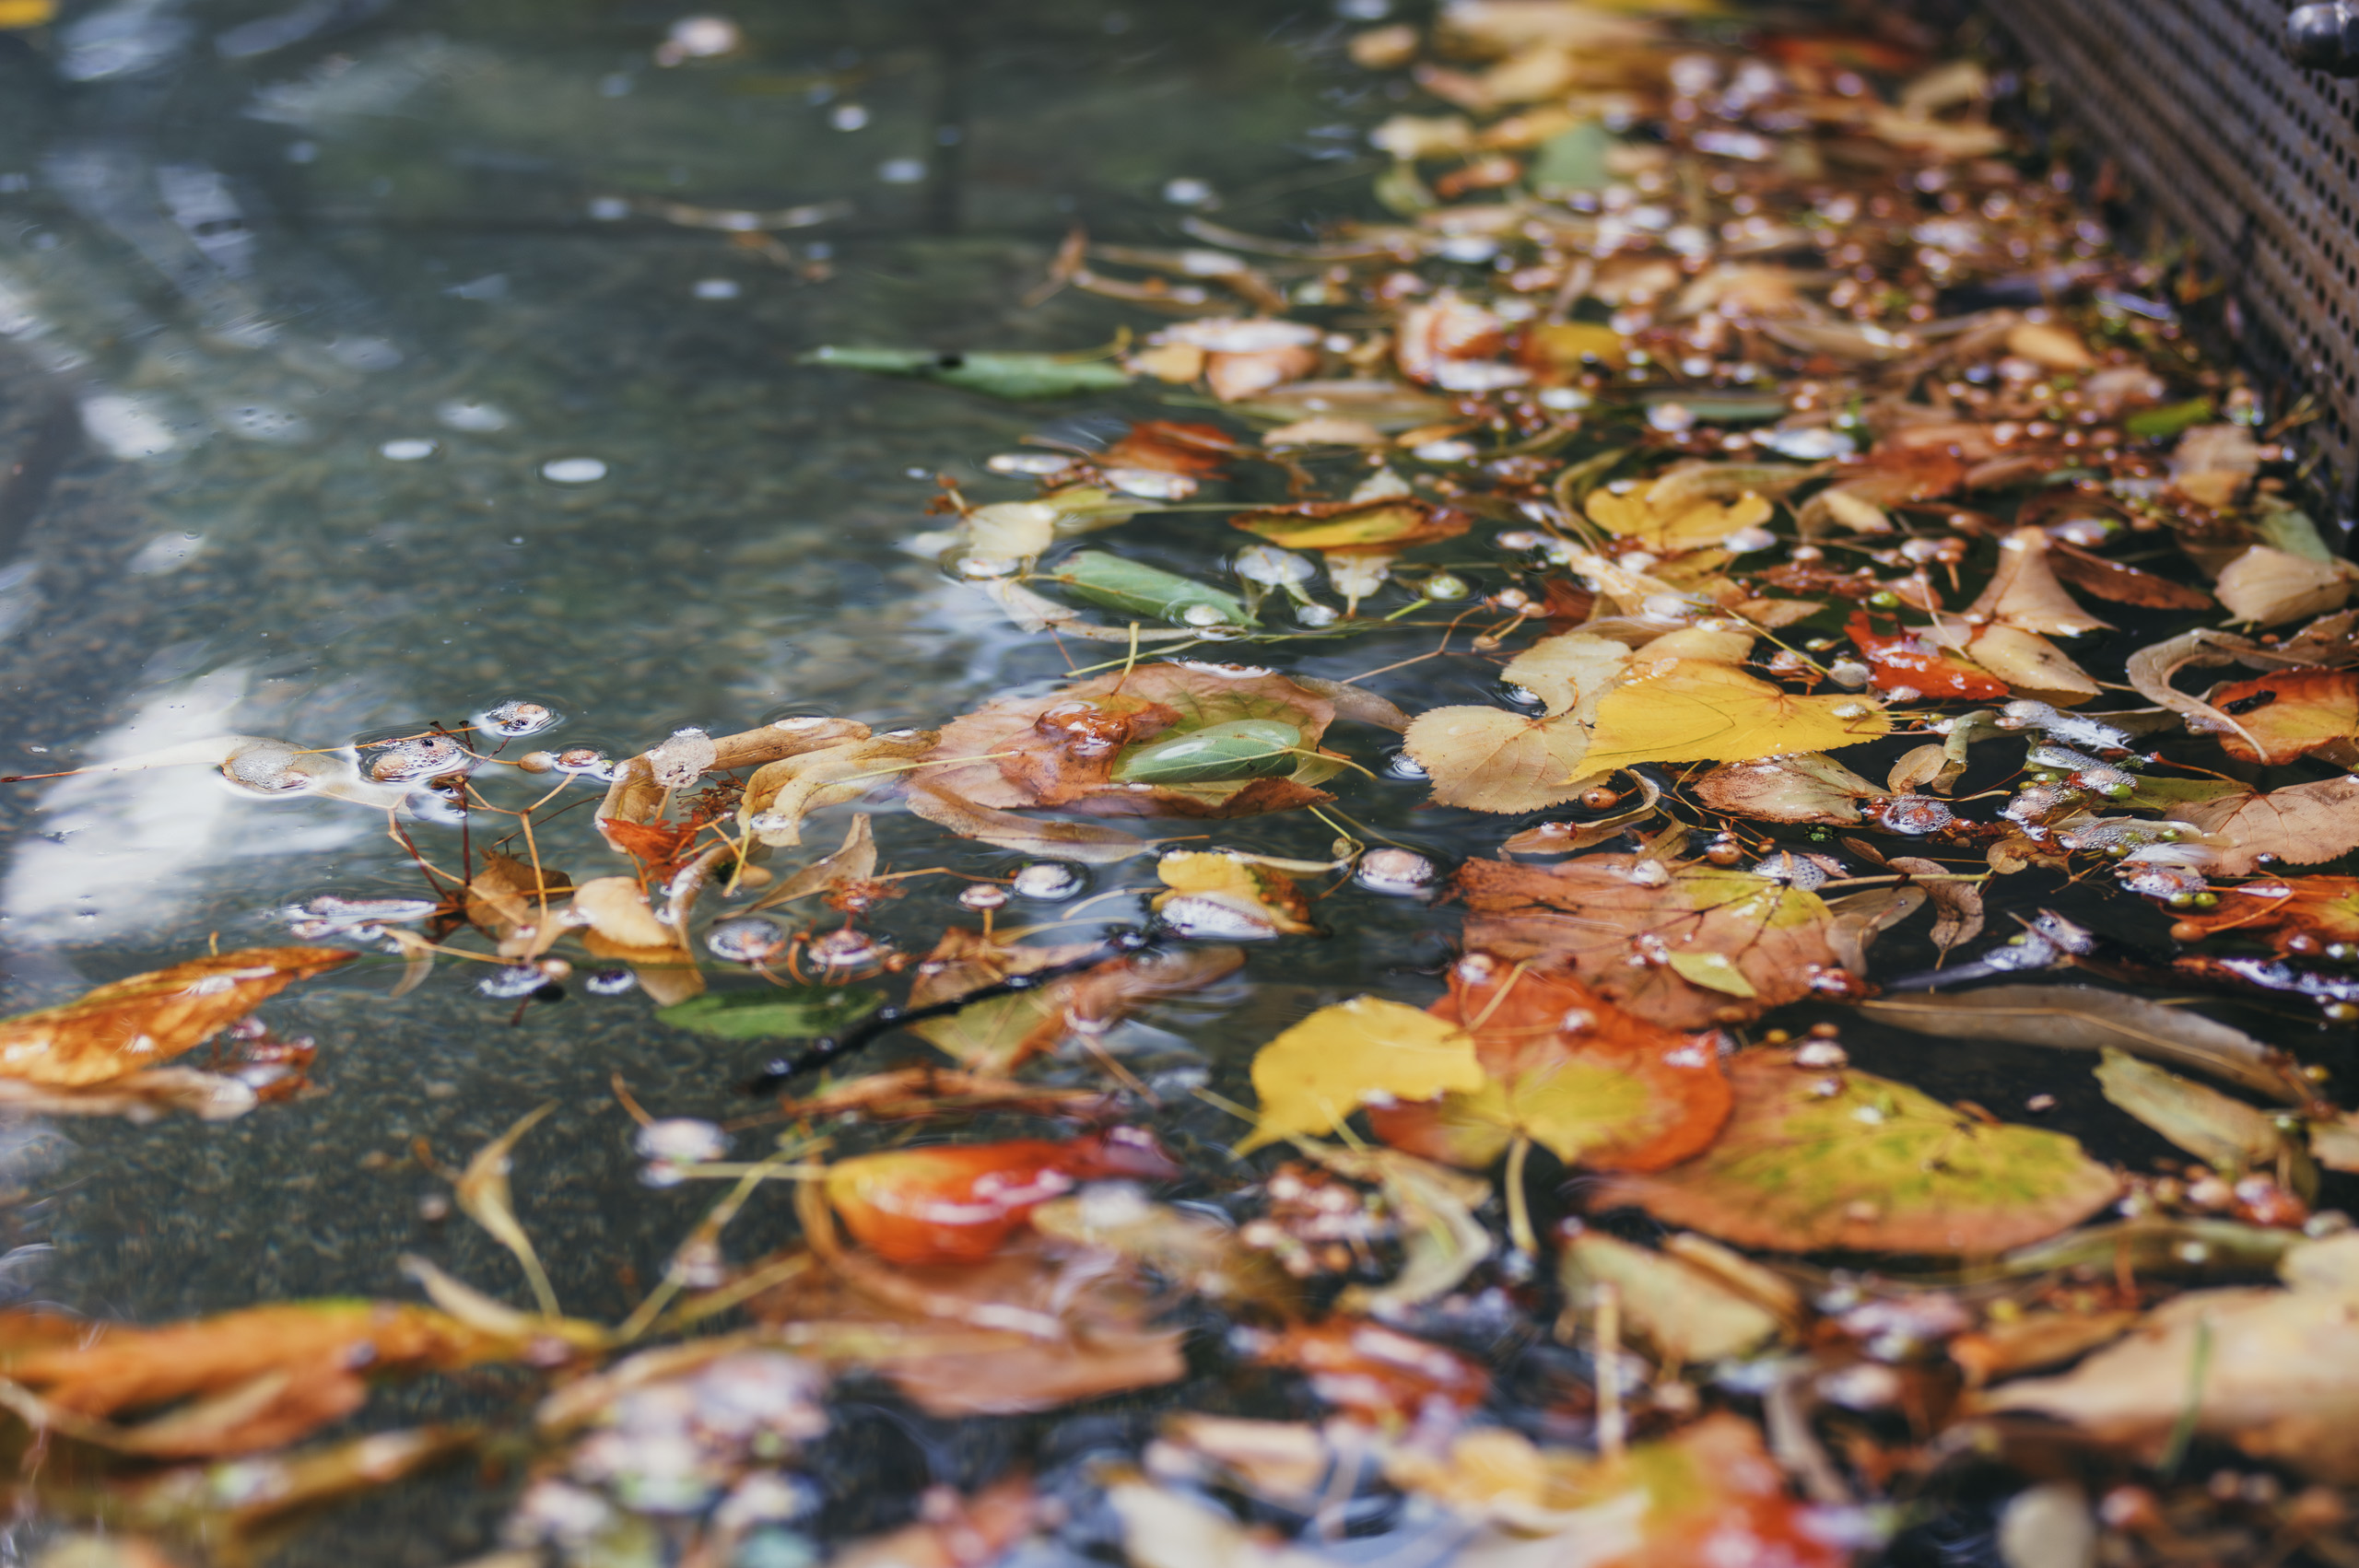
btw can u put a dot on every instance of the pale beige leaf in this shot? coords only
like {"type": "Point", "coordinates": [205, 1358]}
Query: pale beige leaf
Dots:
{"type": "Point", "coordinates": [1487, 759]}
{"type": "Point", "coordinates": [1568, 673]}
{"type": "Point", "coordinates": [2300, 825]}
{"type": "Point", "coordinates": [616, 909]}
{"type": "Point", "coordinates": [2023, 592]}
{"type": "Point", "coordinates": [2033, 665]}
{"type": "Point", "coordinates": [483, 1196]}
{"type": "Point", "coordinates": [2269, 587]}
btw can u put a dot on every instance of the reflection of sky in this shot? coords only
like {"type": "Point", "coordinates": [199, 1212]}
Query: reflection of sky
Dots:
{"type": "Point", "coordinates": [115, 854]}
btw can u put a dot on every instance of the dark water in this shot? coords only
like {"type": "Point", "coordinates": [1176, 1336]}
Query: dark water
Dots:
{"type": "Point", "coordinates": [451, 227]}
{"type": "Point", "coordinates": [464, 205]}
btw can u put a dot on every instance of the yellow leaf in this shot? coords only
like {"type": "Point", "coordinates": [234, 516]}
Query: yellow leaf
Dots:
{"type": "Point", "coordinates": [2033, 665]}
{"type": "Point", "coordinates": [1487, 759]}
{"type": "Point", "coordinates": [1354, 1053]}
{"type": "Point", "coordinates": [1216, 894]}
{"type": "Point", "coordinates": [1681, 526]}
{"type": "Point", "coordinates": [26, 13]}
{"type": "Point", "coordinates": [1714, 971]}
{"type": "Point", "coordinates": [1569, 343]}
{"type": "Point", "coordinates": [1570, 672]}
{"type": "Point", "coordinates": [1701, 712]}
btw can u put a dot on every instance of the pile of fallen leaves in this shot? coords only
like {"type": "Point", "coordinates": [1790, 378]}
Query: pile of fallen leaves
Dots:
{"type": "Point", "coordinates": [1838, 535]}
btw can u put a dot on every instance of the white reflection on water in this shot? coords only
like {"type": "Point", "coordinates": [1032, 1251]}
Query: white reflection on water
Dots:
{"type": "Point", "coordinates": [117, 854]}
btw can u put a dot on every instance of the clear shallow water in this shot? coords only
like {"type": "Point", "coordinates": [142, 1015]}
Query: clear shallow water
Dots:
{"type": "Point", "coordinates": [407, 232]}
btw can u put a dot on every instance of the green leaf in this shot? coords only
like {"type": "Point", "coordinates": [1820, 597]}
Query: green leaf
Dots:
{"type": "Point", "coordinates": [1574, 159]}
{"type": "Point", "coordinates": [2156, 424]}
{"type": "Point", "coordinates": [1871, 1166]}
{"type": "Point", "coordinates": [796, 1012]}
{"type": "Point", "coordinates": [1217, 754]}
{"type": "Point", "coordinates": [1000, 375]}
{"type": "Point", "coordinates": [1141, 590]}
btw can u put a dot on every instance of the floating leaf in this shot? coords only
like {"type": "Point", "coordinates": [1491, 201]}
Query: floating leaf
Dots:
{"type": "Point", "coordinates": [2269, 587]}
{"type": "Point", "coordinates": [1707, 1494]}
{"type": "Point", "coordinates": [1567, 1069]}
{"type": "Point", "coordinates": [1217, 754]}
{"type": "Point", "coordinates": [956, 1203]}
{"type": "Point", "coordinates": [2274, 1372]}
{"type": "Point", "coordinates": [1805, 789]}
{"type": "Point", "coordinates": [1617, 919]}
{"type": "Point", "coordinates": [128, 1025]}
{"type": "Point", "coordinates": [2023, 592]}
{"type": "Point", "coordinates": [617, 909]}
{"type": "Point", "coordinates": [2299, 826]}
{"type": "Point", "coordinates": [999, 374]}
{"type": "Point", "coordinates": [2223, 1133]}
{"type": "Point", "coordinates": [1873, 1165]}
{"type": "Point", "coordinates": [1487, 759]}
{"type": "Point", "coordinates": [1706, 712]}
{"type": "Point", "coordinates": [1136, 588]}
{"type": "Point", "coordinates": [1390, 524]}
{"type": "Point", "coordinates": [1215, 894]}
{"type": "Point", "coordinates": [2089, 1018]}
{"type": "Point", "coordinates": [1353, 1054]}
{"type": "Point", "coordinates": [1570, 674]}
{"type": "Point", "coordinates": [780, 793]}
{"type": "Point", "coordinates": [1682, 1312]}
{"type": "Point", "coordinates": [2285, 716]}
{"type": "Point", "coordinates": [773, 1012]}
{"type": "Point", "coordinates": [2322, 908]}
{"type": "Point", "coordinates": [1062, 749]}
{"type": "Point", "coordinates": [262, 1377]}
{"type": "Point", "coordinates": [2034, 666]}
{"type": "Point", "coordinates": [1904, 660]}
{"type": "Point", "coordinates": [1694, 525]}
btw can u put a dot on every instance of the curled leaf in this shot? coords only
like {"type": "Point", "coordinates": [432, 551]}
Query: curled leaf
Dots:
{"type": "Point", "coordinates": [129, 1026]}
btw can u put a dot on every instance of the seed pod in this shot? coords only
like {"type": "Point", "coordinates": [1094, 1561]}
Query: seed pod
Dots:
{"type": "Point", "coordinates": [1218, 753]}
{"type": "Point", "coordinates": [1141, 590]}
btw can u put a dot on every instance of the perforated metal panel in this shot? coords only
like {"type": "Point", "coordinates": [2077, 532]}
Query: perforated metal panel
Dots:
{"type": "Point", "coordinates": [2255, 160]}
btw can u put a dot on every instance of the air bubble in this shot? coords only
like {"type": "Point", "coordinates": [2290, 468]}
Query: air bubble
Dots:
{"type": "Point", "coordinates": [510, 981]}
{"type": "Point", "coordinates": [749, 939]}
{"type": "Point", "coordinates": [1050, 881]}
{"type": "Point", "coordinates": [517, 718]}
{"type": "Point", "coordinates": [573, 471]}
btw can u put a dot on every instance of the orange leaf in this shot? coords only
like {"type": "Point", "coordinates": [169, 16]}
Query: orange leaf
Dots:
{"type": "Point", "coordinates": [956, 1203]}
{"type": "Point", "coordinates": [2290, 712]}
{"type": "Point", "coordinates": [134, 1023]}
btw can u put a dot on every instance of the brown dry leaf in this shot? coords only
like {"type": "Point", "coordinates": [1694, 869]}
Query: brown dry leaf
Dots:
{"type": "Point", "coordinates": [1487, 759]}
{"type": "Point", "coordinates": [483, 1196]}
{"type": "Point", "coordinates": [261, 1377]}
{"type": "Point", "coordinates": [1682, 1313]}
{"type": "Point", "coordinates": [1451, 342]}
{"type": "Point", "coordinates": [2049, 344]}
{"type": "Point", "coordinates": [2034, 666]}
{"type": "Point", "coordinates": [1957, 904]}
{"type": "Point", "coordinates": [780, 792]}
{"type": "Point", "coordinates": [1620, 922]}
{"type": "Point", "coordinates": [2023, 592]}
{"type": "Point", "coordinates": [1810, 787]}
{"type": "Point", "coordinates": [137, 1097]}
{"type": "Point", "coordinates": [1873, 1167]}
{"type": "Point", "coordinates": [2299, 826]}
{"type": "Point", "coordinates": [2269, 587]}
{"type": "Point", "coordinates": [2123, 585]}
{"type": "Point", "coordinates": [2224, 1133]}
{"type": "Point", "coordinates": [1094, 1335]}
{"type": "Point", "coordinates": [667, 975]}
{"type": "Point", "coordinates": [978, 1529]}
{"type": "Point", "coordinates": [635, 796]}
{"type": "Point", "coordinates": [2285, 716]}
{"type": "Point", "coordinates": [2213, 463]}
{"type": "Point", "coordinates": [853, 861]}
{"type": "Point", "coordinates": [128, 1025]}
{"type": "Point", "coordinates": [2274, 1372]}
{"type": "Point", "coordinates": [2035, 1339]}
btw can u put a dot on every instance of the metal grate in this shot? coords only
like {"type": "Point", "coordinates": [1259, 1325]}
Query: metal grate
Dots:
{"type": "Point", "coordinates": [2254, 159]}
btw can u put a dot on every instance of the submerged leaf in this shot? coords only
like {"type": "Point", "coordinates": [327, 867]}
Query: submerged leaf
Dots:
{"type": "Point", "coordinates": [1809, 787]}
{"type": "Point", "coordinates": [999, 374]}
{"type": "Point", "coordinates": [774, 1013]}
{"type": "Point", "coordinates": [131, 1025]}
{"type": "Point", "coordinates": [1682, 1312]}
{"type": "Point", "coordinates": [483, 1196]}
{"type": "Point", "coordinates": [1872, 1167]}
{"type": "Point", "coordinates": [2088, 1018]}
{"type": "Point", "coordinates": [2226, 1134]}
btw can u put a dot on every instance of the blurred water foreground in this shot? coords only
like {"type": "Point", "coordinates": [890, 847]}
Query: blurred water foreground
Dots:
{"type": "Point", "coordinates": [367, 361]}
